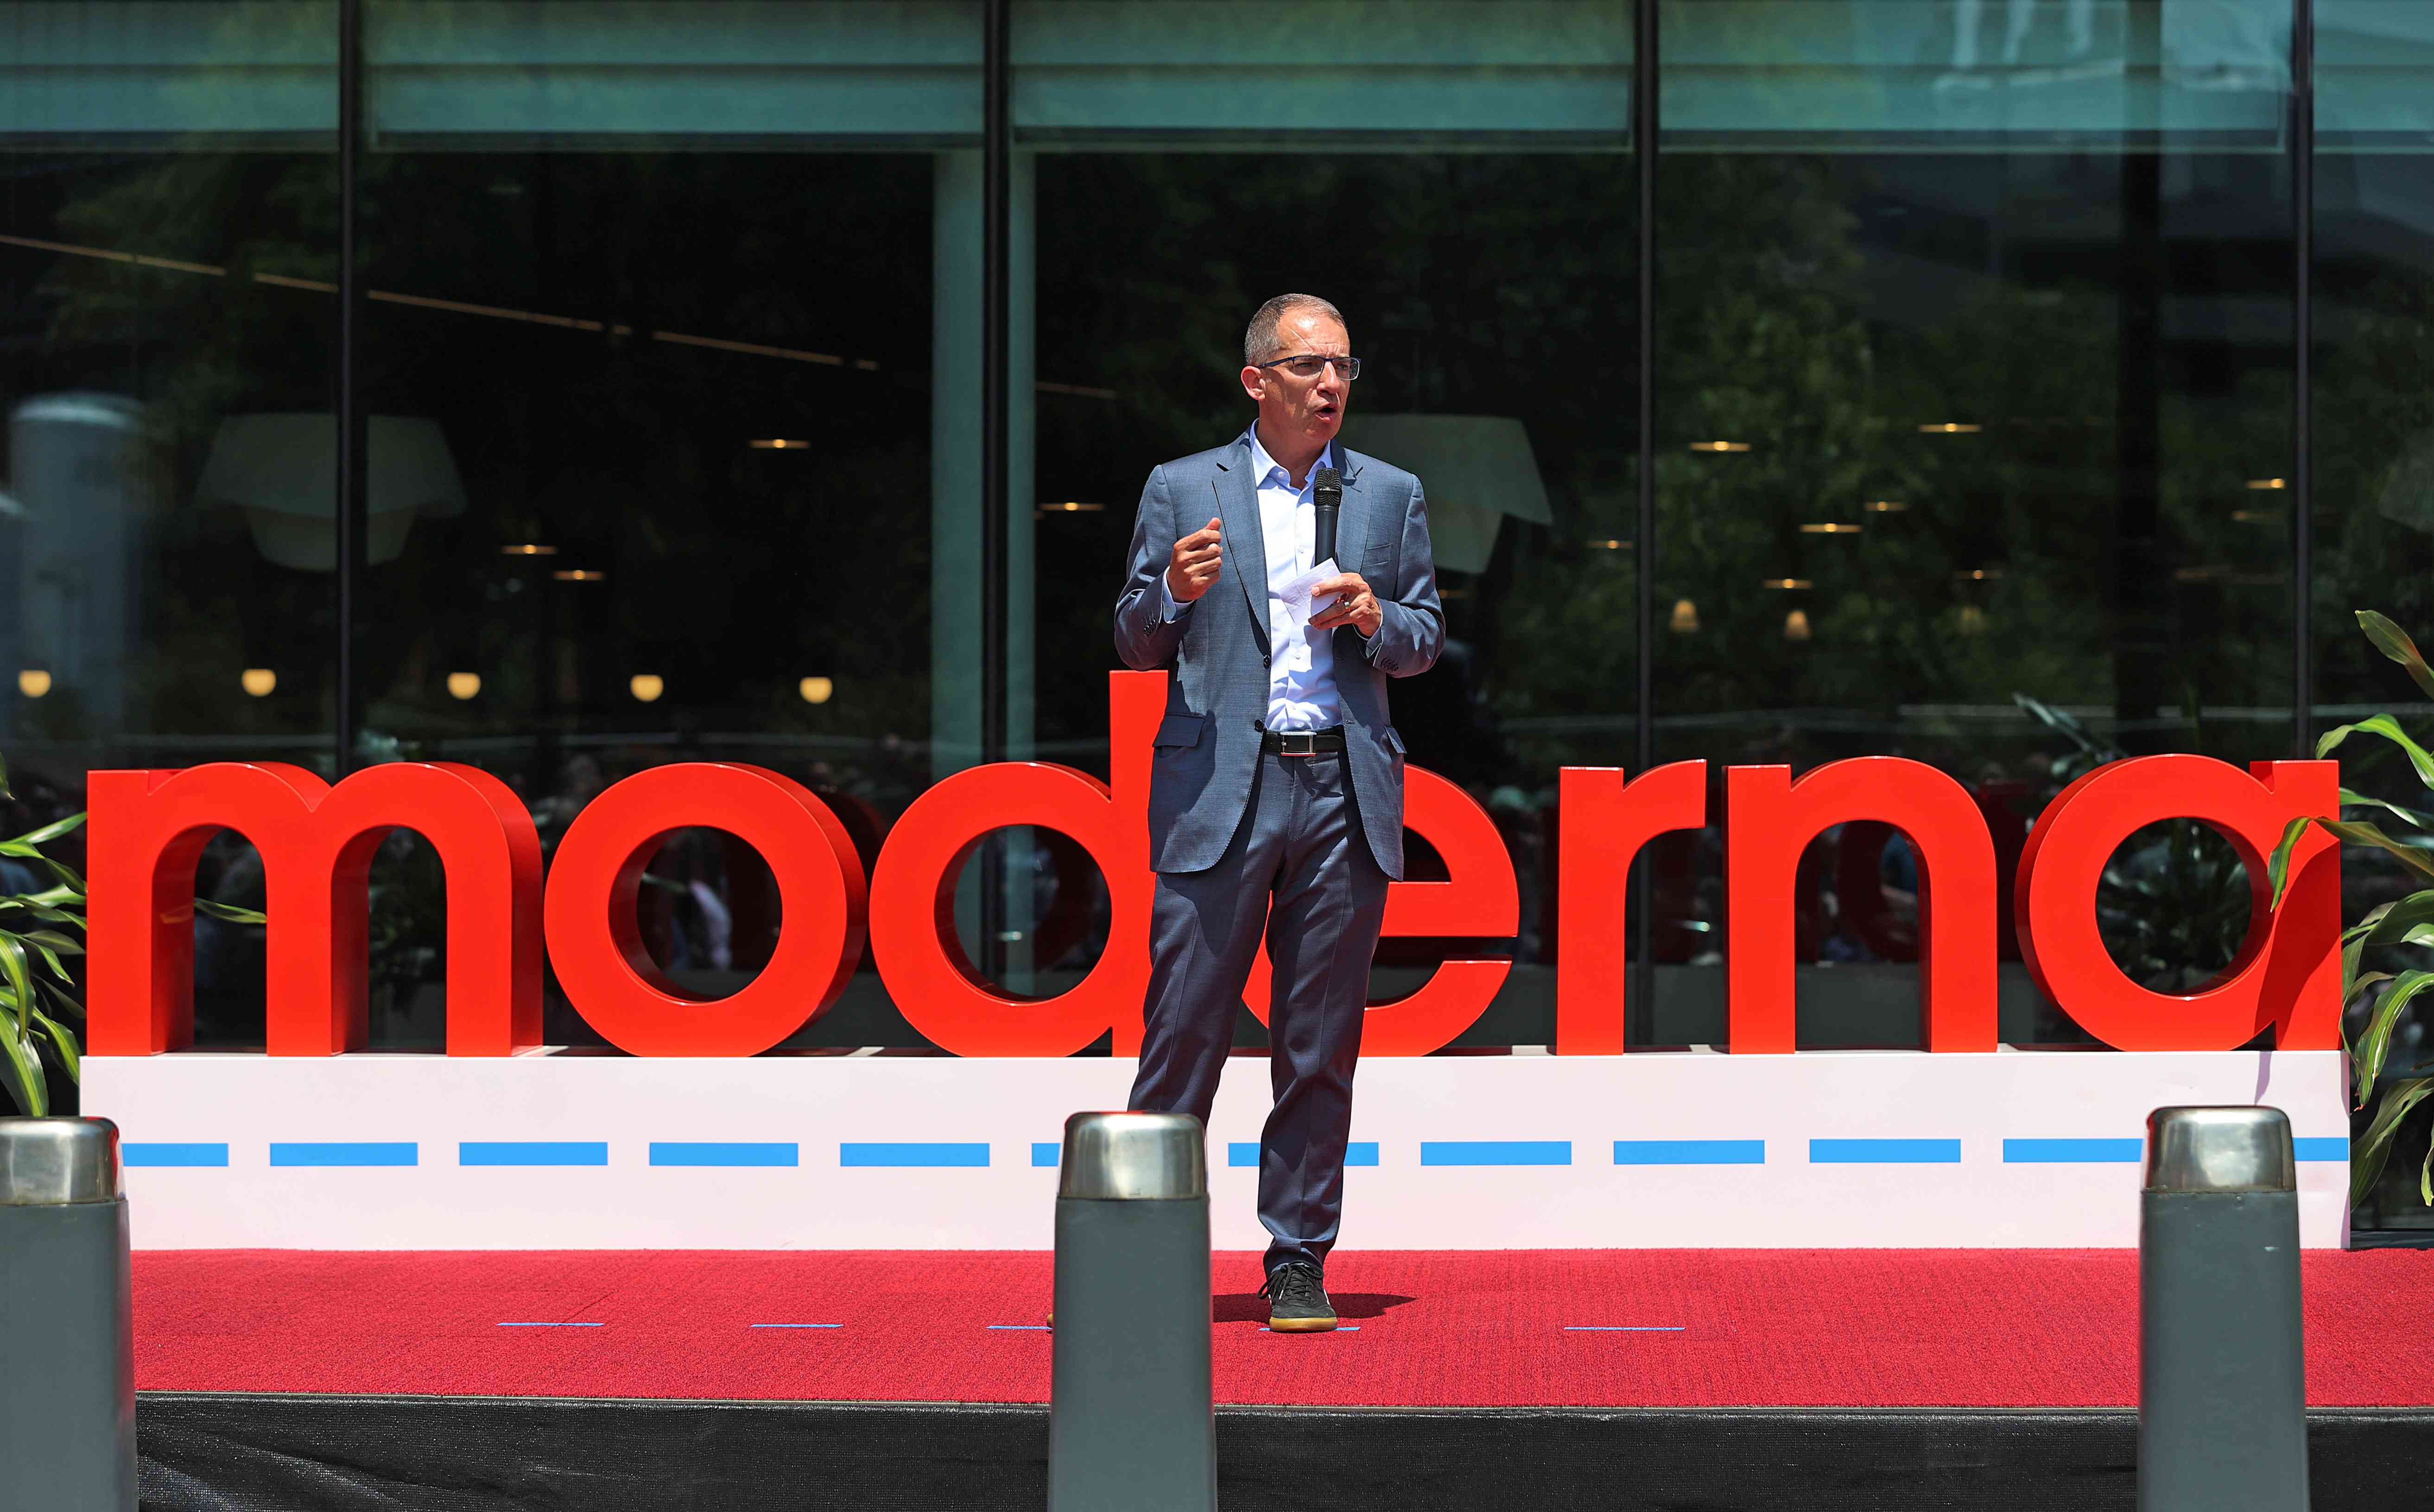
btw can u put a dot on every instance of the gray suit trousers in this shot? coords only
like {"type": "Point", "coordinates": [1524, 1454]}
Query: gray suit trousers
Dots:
{"type": "Point", "coordinates": [1300, 864]}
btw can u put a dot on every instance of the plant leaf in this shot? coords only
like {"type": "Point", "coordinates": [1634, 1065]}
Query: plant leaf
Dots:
{"type": "Point", "coordinates": [4, 780]}
{"type": "Point", "coordinates": [2279, 868]}
{"type": "Point", "coordinates": [20, 1071]}
{"type": "Point", "coordinates": [2374, 1041]}
{"type": "Point", "coordinates": [230, 913]}
{"type": "Point", "coordinates": [67, 947]}
{"type": "Point", "coordinates": [63, 1043]}
{"type": "Point", "coordinates": [2389, 729]}
{"type": "Point", "coordinates": [65, 874]}
{"type": "Point", "coordinates": [2394, 642]}
{"type": "Point", "coordinates": [2360, 833]}
{"type": "Point", "coordinates": [51, 832]}
{"type": "Point", "coordinates": [20, 979]}
{"type": "Point", "coordinates": [2366, 924]}
{"type": "Point", "coordinates": [2352, 799]}
{"type": "Point", "coordinates": [2369, 1152]}
{"type": "Point", "coordinates": [65, 999]}
{"type": "Point", "coordinates": [2403, 918]}
{"type": "Point", "coordinates": [42, 911]}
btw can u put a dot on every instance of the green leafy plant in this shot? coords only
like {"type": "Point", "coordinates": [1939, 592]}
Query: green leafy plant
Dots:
{"type": "Point", "coordinates": [40, 933]}
{"type": "Point", "coordinates": [33, 969]}
{"type": "Point", "coordinates": [2405, 921]}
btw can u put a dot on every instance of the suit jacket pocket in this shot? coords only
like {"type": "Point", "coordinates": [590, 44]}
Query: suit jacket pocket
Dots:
{"type": "Point", "coordinates": [1378, 566]}
{"type": "Point", "coordinates": [1179, 731]}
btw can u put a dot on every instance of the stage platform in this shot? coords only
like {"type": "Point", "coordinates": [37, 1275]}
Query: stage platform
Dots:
{"type": "Point", "coordinates": [479, 1382]}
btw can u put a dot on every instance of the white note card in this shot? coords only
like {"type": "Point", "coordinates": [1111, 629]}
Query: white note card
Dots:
{"type": "Point", "coordinates": [1295, 594]}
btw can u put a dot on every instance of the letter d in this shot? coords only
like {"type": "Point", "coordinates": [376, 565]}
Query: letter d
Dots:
{"type": "Point", "coordinates": [912, 893]}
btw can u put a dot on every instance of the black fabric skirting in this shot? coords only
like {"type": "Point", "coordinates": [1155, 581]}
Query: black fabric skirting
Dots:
{"type": "Point", "coordinates": [233, 1452]}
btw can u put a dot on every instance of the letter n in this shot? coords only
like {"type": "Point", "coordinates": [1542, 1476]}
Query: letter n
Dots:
{"type": "Point", "coordinates": [1769, 819]}
{"type": "Point", "coordinates": [148, 828]}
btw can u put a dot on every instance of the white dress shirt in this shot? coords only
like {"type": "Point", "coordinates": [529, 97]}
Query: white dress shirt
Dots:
{"type": "Point", "coordinates": [1301, 663]}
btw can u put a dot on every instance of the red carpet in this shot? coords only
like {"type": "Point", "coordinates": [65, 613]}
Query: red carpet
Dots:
{"type": "Point", "coordinates": [1517, 1328]}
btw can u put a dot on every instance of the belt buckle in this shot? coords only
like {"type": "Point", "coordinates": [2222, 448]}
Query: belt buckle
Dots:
{"type": "Point", "coordinates": [1298, 743]}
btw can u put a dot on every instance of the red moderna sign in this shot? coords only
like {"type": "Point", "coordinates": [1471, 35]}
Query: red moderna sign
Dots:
{"type": "Point", "coordinates": [316, 841]}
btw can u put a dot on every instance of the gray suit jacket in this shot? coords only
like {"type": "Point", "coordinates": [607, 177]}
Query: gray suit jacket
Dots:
{"type": "Point", "coordinates": [1217, 696]}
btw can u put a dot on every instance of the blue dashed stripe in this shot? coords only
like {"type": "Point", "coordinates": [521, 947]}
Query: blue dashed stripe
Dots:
{"type": "Point", "coordinates": [687, 1153]}
{"type": "Point", "coordinates": [402, 1153]}
{"type": "Point", "coordinates": [186, 1155]}
{"type": "Point", "coordinates": [532, 1152]}
{"type": "Point", "coordinates": [2322, 1147]}
{"type": "Point", "coordinates": [1246, 1153]}
{"type": "Point", "coordinates": [1884, 1152]}
{"type": "Point", "coordinates": [1690, 1152]}
{"type": "Point", "coordinates": [2073, 1152]}
{"type": "Point", "coordinates": [1496, 1152]}
{"type": "Point", "coordinates": [913, 1155]}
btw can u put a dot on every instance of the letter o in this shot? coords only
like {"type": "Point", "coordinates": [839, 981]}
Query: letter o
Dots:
{"type": "Point", "coordinates": [597, 945]}
{"type": "Point", "coordinates": [2288, 970]}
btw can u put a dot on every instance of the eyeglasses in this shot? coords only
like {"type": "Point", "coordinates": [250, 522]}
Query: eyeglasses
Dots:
{"type": "Point", "coordinates": [1310, 365]}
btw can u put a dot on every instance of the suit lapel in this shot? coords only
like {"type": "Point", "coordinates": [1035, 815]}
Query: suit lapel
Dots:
{"type": "Point", "coordinates": [1352, 523]}
{"type": "Point", "coordinates": [1246, 546]}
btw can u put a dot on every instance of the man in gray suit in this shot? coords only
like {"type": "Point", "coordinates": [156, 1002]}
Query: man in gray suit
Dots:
{"type": "Point", "coordinates": [1277, 790]}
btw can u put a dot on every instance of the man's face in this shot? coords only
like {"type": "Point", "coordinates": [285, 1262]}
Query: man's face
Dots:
{"type": "Point", "coordinates": [1291, 405]}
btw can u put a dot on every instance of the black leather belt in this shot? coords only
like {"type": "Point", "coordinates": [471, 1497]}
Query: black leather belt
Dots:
{"type": "Point", "coordinates": [1301, 742]}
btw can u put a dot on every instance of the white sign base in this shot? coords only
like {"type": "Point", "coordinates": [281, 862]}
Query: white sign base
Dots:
{"type": "Point", "coordinates": [1665, 1149]}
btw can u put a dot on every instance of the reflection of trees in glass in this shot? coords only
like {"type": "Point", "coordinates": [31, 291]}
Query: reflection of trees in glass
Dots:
{"type": "Point", "coordinates": [1993, 570]}
{"type": "Point", "coordinates": [195, 331]}
{"type": "Point", "coordinates": [2374, 471]}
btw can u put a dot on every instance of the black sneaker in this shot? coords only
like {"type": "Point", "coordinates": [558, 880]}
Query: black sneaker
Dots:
{"type": "Point", "coordinates": [1297, 1301]}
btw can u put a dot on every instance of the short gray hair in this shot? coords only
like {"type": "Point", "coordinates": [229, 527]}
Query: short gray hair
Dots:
{"type": "Point", "coordinates": [1262, 343]}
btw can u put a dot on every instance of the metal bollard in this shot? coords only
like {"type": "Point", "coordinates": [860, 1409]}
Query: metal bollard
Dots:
{"type": "Point", "coordinates": [2223, 1388]}
{"type": "Point", "coordinates": [1130, 1424]}
{"type": "Point", "coordinates": [67, 1388]}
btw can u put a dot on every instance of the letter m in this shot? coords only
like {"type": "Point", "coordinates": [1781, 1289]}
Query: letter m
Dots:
{"type": "Point", "coordinates": [148, 828]}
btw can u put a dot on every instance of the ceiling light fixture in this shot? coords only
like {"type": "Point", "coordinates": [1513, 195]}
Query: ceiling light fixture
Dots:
{"type": "Point", "coordinates": [2268, 483]}
{"type": "Point", "coordinates": [1884, 506]}
{"type": "Point", "coordinates": [464, 685]}
{"type": "Point", "coordinates": [1950, 427]}
{"type": "Point", "coordinates": [1686, 618]}
{"type": "Point", "coordinates": [33, 682]}
{"type": "Point", "coordinates": [816, 690]}
{"type": "Point", "coordinates": [1720, 446]}
{"type": "Point", "coordinates": [646, 686]}
{"type": "Point", "coordinates": [1795, 626]}
{"type": "Point", "coordinates": [779, 443]}
{"type": "Point", "coordinates": [528, 548]}
{"type": "Point", "coordinates": [259, 681]}
{"type": "Point", "coordinates": [1828, 529]}
{"type": "Point", "coordinates": [1785, 582]}
{"type": "Point", "coordinates": [580, 575]}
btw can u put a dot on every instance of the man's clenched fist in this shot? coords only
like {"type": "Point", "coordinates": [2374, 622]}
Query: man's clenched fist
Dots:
{"type": "Point", "coordinates": [1193, 565]}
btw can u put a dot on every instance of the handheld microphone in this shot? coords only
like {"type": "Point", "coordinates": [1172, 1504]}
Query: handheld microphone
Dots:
{"type": "Point", "coordinates": [1326, 497]}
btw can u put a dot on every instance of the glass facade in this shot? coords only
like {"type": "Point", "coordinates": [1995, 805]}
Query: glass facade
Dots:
{"type": "Point", "coordinates": [2027, 383]}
